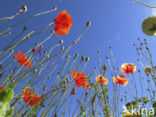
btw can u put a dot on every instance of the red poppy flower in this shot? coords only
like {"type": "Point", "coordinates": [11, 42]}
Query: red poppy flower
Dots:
{"type": "Point", "coordinates": [75, 75]}
{"type": "Point", "coordinates": [128, 68]}
{"type": "Point", "coordinates": [101, 80]}
{"type": "Point", "coordinates": [120, 80]}
{"type": "Point", "coordinates": [35, 100]}
{"type": "Point", "coordinates": [22, 59]}
{"type": "Point", "coordinates": [63, 23]}
{"type": "Point", "coordinates": [27, 95]}
{"type": "Point", "coordinates": [80, 79]}
{"type": "Point", "coordinates": [31, 98]}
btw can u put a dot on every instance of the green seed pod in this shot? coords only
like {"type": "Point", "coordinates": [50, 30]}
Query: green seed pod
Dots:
{"type": "Point", "coordinates": [148, 70]}
{"type": "Point", "coordinates": [149, 26]}
{"type": "Point", "coordinates": [6, 95]}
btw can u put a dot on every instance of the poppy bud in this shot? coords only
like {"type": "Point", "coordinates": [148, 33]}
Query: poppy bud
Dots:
{"type": "Point", "coordinates": [6, 95]}
{"type": "Point", "coordinates": [88, 23]}
{"type": "Point", "coordinates": [98, 51]}
{"type": "Point", "coordinates": [82, 58]}
{"type": "Point", "coordinates": [12, 51]}
{"type": "Point", "coordinates": [55, 8]}
{"type": "Point", "coordinates": [34, 88]}
{"type": "Point", "coordinates": [33, 50]}
{"type": "Point", "coordinates": [37, 44]}
{"type": "Point", "coordinates": [61, 42]}
{"type": "Point", "coordinates": [35, 70]}
{"type": "Point", "coordinates": [106, 57]}
{"type": "Point", "coordinates": [87, 59]}
{"type": "Point", "coordinates": [76, 55]}
{"type": "Point", "coordinates": [36, 59]}
{"type": "Point", "coordinates": [44, 88]}
{"type": "Point", "coordinates": [45, 52]}
{"type": "Point", "coordinates": [62, 48]}
{"type": "Point", "coordinates": [24, 28]}
{"type": "Point", "coordinates": [68, 57]}
{"type": "Point", "coordinates": [139, 70]}
{"type": "Point", "coordinates": [0, 66]}
{"type": "Point", "coordinates": [40, 52]}
{"type": "Point", "coordinates": [47, 56]}
{"type": "Point", "coordinates": [48, 77]}
{"type": "Point", "coordinates": [74, 42]}
{"type": "Point", "coordinates": [24, 9]}
{"type": "Point", "coordinates": [52, 31]}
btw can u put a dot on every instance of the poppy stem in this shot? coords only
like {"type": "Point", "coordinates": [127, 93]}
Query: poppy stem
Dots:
{"type": "Point", "coordinates": [143, 4]}
{"type": "Point", "coordinates": [21, 22]}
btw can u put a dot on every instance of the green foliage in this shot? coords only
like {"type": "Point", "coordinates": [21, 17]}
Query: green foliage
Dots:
{"type": "Point", "coordinates": [6, 95]}
{"type": "Point", "coordinates": [6, 110]}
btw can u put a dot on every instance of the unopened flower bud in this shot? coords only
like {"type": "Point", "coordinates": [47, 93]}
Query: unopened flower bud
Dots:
{"type": "Point", "coordinates": [45, 52]}
{"type": "Point", "coordinates": [62, 48]}
{"type": "Point", "coordinates": [74, 42]}
{"type": "Point", "coordinates": [82, 58]}
{"type": "Point", "coordinates": [33, 51]}
{"type": "Point", "coordinates": [24, 28]}
{"type": "Point", "coordinates": [87, 59]}
{"type": "Point", "coordinates": [12, 51]}
{"type": "Point", "coordinates": [35, 70]}
{"type": "Point", "coordinates": [98, 51]}
{"type": "Point", "coordinates": [44, 88]}
{"type": "Point", "coordinates": [37, 44]}
{"type": "Point", "coordinates": [61, 42]}
{"type": "Point", "coordinates": [68, 57]}
{"type": "Point", "coordinates": [55, 8]}
{"type": "Point", "coordinates": [47, 56]}
{"type": "Point", "coordinates": [24, 9]}
{"type": "Point", "coordinates": [88, 23]}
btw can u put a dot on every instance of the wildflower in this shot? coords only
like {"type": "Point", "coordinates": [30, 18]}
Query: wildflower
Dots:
{"type": "Point", "coordinates": [22, 59]}
{"type": "Point", "coordinates": [28, 94]}
{"type": "Point", "coordinates": [101, 80]}
{"type": "Point", "coordinates": [128, 68]}
{"type": "Point", "coordinates": [74, 75]}
{"type": "Point", "coordinates": [73, 91]}
{"type": "Point", "coordinates": [35, 100]}
{"type": "Point", "coordinates": [120, 80]}
{"type": "Point", "coordinates": [80, 79]}
{"type": "Point", "coordinates": [31, 98]}
{"type": "Point", "coordinates": [63, 23]}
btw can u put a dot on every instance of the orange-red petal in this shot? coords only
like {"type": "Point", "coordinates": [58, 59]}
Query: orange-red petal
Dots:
{"type": "Point", "coordinates": [128, 68]}
{"type": "Point", "coordinates": [22, 59]}
{"type": "Point", "coordinates": [35, 100]}
{"type": "Point", "coordinates": [63, 23]}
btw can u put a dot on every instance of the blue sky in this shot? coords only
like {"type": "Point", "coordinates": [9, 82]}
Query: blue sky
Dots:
{"type": "Point", "coordinates": [115, 23]}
